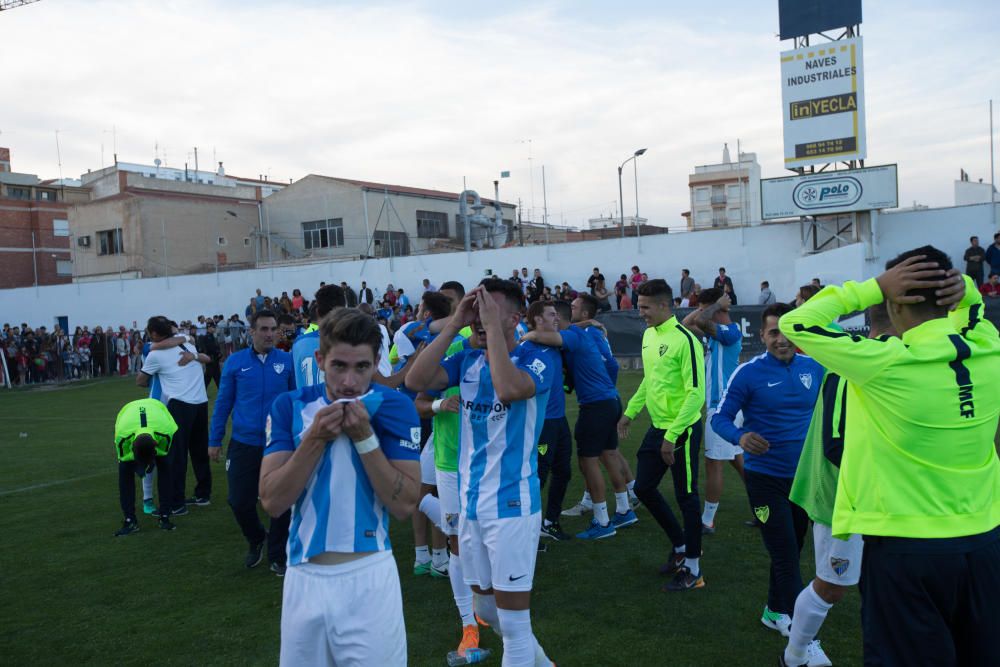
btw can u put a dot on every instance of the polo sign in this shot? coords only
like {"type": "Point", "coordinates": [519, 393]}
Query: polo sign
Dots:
{"type": "Point", "coordinates": [829, 192]}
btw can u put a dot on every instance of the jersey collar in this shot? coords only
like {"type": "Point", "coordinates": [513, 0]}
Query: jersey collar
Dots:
{"type": "Point", "coordinates": [938, 328]}
{"type": "Point", "coordinates": [669, 324]}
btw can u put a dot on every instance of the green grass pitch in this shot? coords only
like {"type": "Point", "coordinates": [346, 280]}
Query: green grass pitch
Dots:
{"type": "Point", "coordinates": [73, 594]}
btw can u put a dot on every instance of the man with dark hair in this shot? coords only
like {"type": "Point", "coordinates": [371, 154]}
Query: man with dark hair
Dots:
{"type": "Point", "coordinates": [991, 288]}
{"type": "Point", "coordinates": [350, 296]}
{"type": "Point", "coordinates": [593, 280]}
{"type": "Point", "coordinates": [711, 321]}
{"type": "Point", "coordinates": [776, 392]}
{"type": "Point", "coordinates": [251, 379]}
{"type": "Point", "coordinates": [365, 294]}
{"type": "Point", "coordinates": [722, 281]}
{"type": "Point", "coordinates": [974, 258]}
{"type": "Point", "coordinates": [766, 297]}
{"type": "Point", "coordinates": [342, 457]}
{"type": "Point", "coordinates": [687, 284]}
{"type": "Point", "coordinates": [183, 384]}
{"type": "Point", "coordinates": [595, 431]}
{"type": "Point", "coordinates": [209, 346]}
{"type": "Point", "coordinates": [673, 394]}
{"type": "Point", "coordinates": [930, 520]}
{"type": "Point", "coordinates": [307, 371]}
{"type": "Point", "coordinates": [143, 432]}
{"type": "Point", "coordinates": [504, 393]}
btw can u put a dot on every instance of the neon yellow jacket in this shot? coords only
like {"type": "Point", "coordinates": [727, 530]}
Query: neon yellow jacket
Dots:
{"type": "Point", "coordinates": [673, 383]}
{"type": "Point", "coordinates": [146, 415]}
{"type": "Point", "coordinates": [919, 459]}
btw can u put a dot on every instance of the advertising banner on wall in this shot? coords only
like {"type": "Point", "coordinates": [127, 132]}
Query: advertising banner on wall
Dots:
{"type": "Point", "coordinates": [823, 103]}
{"type": "Point", "coordinates": [829, 192]}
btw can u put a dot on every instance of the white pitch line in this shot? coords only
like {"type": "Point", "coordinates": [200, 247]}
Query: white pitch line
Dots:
{"type": "Point", "coordinates": [45, 485]}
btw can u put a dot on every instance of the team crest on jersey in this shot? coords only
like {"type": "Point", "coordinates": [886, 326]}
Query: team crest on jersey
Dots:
{"type": "Point", "coordinates": [415, 434]}
{"type": "Point", "coordinates": [839, 565]}
{"type": "Point", "coordinates": [537, 367]}
{"type": "Point", "coordinates": [806, 379]}
{"type": "Point", "coordinates": [278, 368]}
{"type": "Point", "coordinates": [663, 349]}
{"type": "Point", "coordinates": [542, 449]}
{"type": "Point", "coordinates": [763, 513]}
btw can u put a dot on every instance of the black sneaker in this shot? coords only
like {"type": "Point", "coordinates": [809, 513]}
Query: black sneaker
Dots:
{"type": "Point", "coordinates": [555, 532]}
{"type": "Point", "coordinates": [255, 555]}
{"type": "Point", "coordinates": [673, 566]}
{"type": "Point", "coordinates": [129, 526]}
{"type": "Point", "coordinates": [684, 581]}
{"type": "Point", "coordinates": [200, 502]}
{"type": "Point", "coordinates": [278, 569]}
{"type": "Point", "coordinates": [165, 524]}
{"type": "Point", "coordinates": [782, 663]}
{"type": "Point", "coordinates": [179, 511]}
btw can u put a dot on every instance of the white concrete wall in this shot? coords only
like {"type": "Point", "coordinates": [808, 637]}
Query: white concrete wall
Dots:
{"type": "Point", "coordinates": [767, 252]}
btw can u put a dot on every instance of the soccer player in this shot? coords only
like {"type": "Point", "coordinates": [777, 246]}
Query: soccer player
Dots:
{"type": "Point", "coordinates": [919, 476]}
{"type": "Point", "coordinates": [838, 562]}
{"type": "Point", "coordinates": [672, 392]}
{"type": "Point", "coordinates": [776, 391]}
{"type": "Point", "coordinates": [555, 444]}
{"type": "Point", "coordinates": [725, 340]}
{"type": "Point", "coordinates": [143, 432]}
{"type": "Point", "coordinates": [503, 392]}
{"type": "Point", "coordinates": [595, 431]}
{"type": "Point", "coordinates": [340, 454]}
{"type": "Point", "coordinates": [188, 405]}
{"type": "Point", "coordinates": [251, 379]}
{"type": "Point", "coordinates": [307, 371]}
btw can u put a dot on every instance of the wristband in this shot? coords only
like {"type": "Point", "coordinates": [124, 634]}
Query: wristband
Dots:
{"type": "Point", "coordinates": [367, 445]}
{"type": "Point", "coordinates": [436, 405]}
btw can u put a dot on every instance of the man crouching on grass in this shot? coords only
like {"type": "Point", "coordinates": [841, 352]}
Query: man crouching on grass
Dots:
{"type": "Point", "coordinates": [144, 431]}
{"type": "Point", "coordinates": [340, 454]}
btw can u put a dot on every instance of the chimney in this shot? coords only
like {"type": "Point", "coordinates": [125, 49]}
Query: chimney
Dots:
{"type": "Point", "coordinates": [221, 172]}
{"type": "Point", "coordinates": [725, 154]}
{"type": "Point", "coordinates": [4, 159]}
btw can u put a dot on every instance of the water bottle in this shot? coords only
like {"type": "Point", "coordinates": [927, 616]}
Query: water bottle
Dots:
{"type": "Point", "coordinates": [472, 656]}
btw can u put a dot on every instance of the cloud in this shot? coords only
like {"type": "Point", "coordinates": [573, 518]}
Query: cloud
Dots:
{"type": "Point", "coordinates": [408, 94]}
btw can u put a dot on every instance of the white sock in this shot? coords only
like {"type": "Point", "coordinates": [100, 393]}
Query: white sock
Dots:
{"type": "Point", "coordinates": [423, 554]}
{"type": "Point", "coordinates": [680, 549]}
{"type": "Point", "coordinates": [430, 505]}
{"type": "Point", "coordinates": [692, 564]}
{"type": "Point", "coordinates": [587, 500]}
{"type": "Point", "coordinates": [541, 660]}
{"type": "Point", "coordinates": [439, 557]}
{"type": "Point", "coordinates": [810, 612]}
{"type": "Point", "coordinates": [147, 487]}
{"type": "Point", "coordinates": [601, 513]}
{"type": "Point", "coordinates": [631, 487]}
{"type": "Point", "coordinates": [461, 591]}
{"type": "Point", "coordinates": [708, 516]}
{"type": "Point", "coordinates": [518, 642]}
{"type": "Point", "coordinates": [486, 607]}
{"type": "Point", "coordinates": [621, 503]}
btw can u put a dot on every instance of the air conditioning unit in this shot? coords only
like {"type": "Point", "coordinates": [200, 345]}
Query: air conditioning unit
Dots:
{"type": "Point", "coordinates": [83, 241]}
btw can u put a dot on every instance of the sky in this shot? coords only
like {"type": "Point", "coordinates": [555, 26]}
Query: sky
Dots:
{"type": "Point", "coordinates": [439, 93]}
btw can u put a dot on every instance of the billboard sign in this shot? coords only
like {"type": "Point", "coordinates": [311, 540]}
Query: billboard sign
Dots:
{"type": "Point", "coordinates": [823, 103]}
{"type": "Point", "coordinates": [797, 18]}
{"type": "Point", "coordinates": [829, 192]}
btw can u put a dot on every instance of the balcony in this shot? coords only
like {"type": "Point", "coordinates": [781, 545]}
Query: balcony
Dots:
{"type": "Point", "coordinates": [718, 200]}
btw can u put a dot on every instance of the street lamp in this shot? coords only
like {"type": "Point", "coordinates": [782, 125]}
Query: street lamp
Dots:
{"type": "Point", "coordinates": [621, 202]}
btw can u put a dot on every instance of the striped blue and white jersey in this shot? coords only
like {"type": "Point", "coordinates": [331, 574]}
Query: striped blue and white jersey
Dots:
{"type": "Point", "coordinates": [338, 510]}
{"type": "Point", "coordinates": [497, 457]}
{"type": "Point", "coordinates": [155, 390]}
{"type": "Point", "coordinates": [721, 361]}
{"type": "Point", "coordinates": [307, 371]}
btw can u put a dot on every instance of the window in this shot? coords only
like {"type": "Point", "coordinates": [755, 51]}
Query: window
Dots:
{"type": "Point", "coordinates": [432, 225]}
{"type": "Point", "coordinates": [64, 267]}
{"type": "Point", "coordinates": [60, 228]}
{"type": "Point", "coordinates": [733, 214]}
{"type": "Point", "coordinates": [733, 191]}
{"type": "Point", "coordinates": [323, 234]}
{"type": "Point", "coordinates": [45, 195]}
{"type": "Point", "coordinates": [400, 244]}
{"type": "Point", "coordinates": [18, 193]}
{"type": "Point", "coordinates": [222, 241]}
{"type": "Point", "coordinates": [701, 195]}
{"type": "Point", "coordinates": [703, 216]}
{"type": "Point", "coordinates": [109, 242]}
{"type": "Point", "coordinates": [246, 241]}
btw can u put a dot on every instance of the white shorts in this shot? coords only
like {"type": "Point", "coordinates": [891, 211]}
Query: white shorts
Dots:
{"type": "Point", "coordinates": [451, 502]}
{"type": "Point", "coordinates": [718, 448]}
{"type": "Point", "coordinates": [499, 553]}
{"type": "Point", "coordinates": [349, 614]}
{"type": "Point", "coordinates": [837, 562]}
{"type": "Point", "coordinates": [427, 470]}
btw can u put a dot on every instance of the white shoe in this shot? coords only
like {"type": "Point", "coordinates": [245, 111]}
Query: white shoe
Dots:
{"type": "Point", "coordinates": [780, 622]}
{"type": "Point", "coordinates": [815, 657]}
{"type": "Point", "coordinates": [578, 510]}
